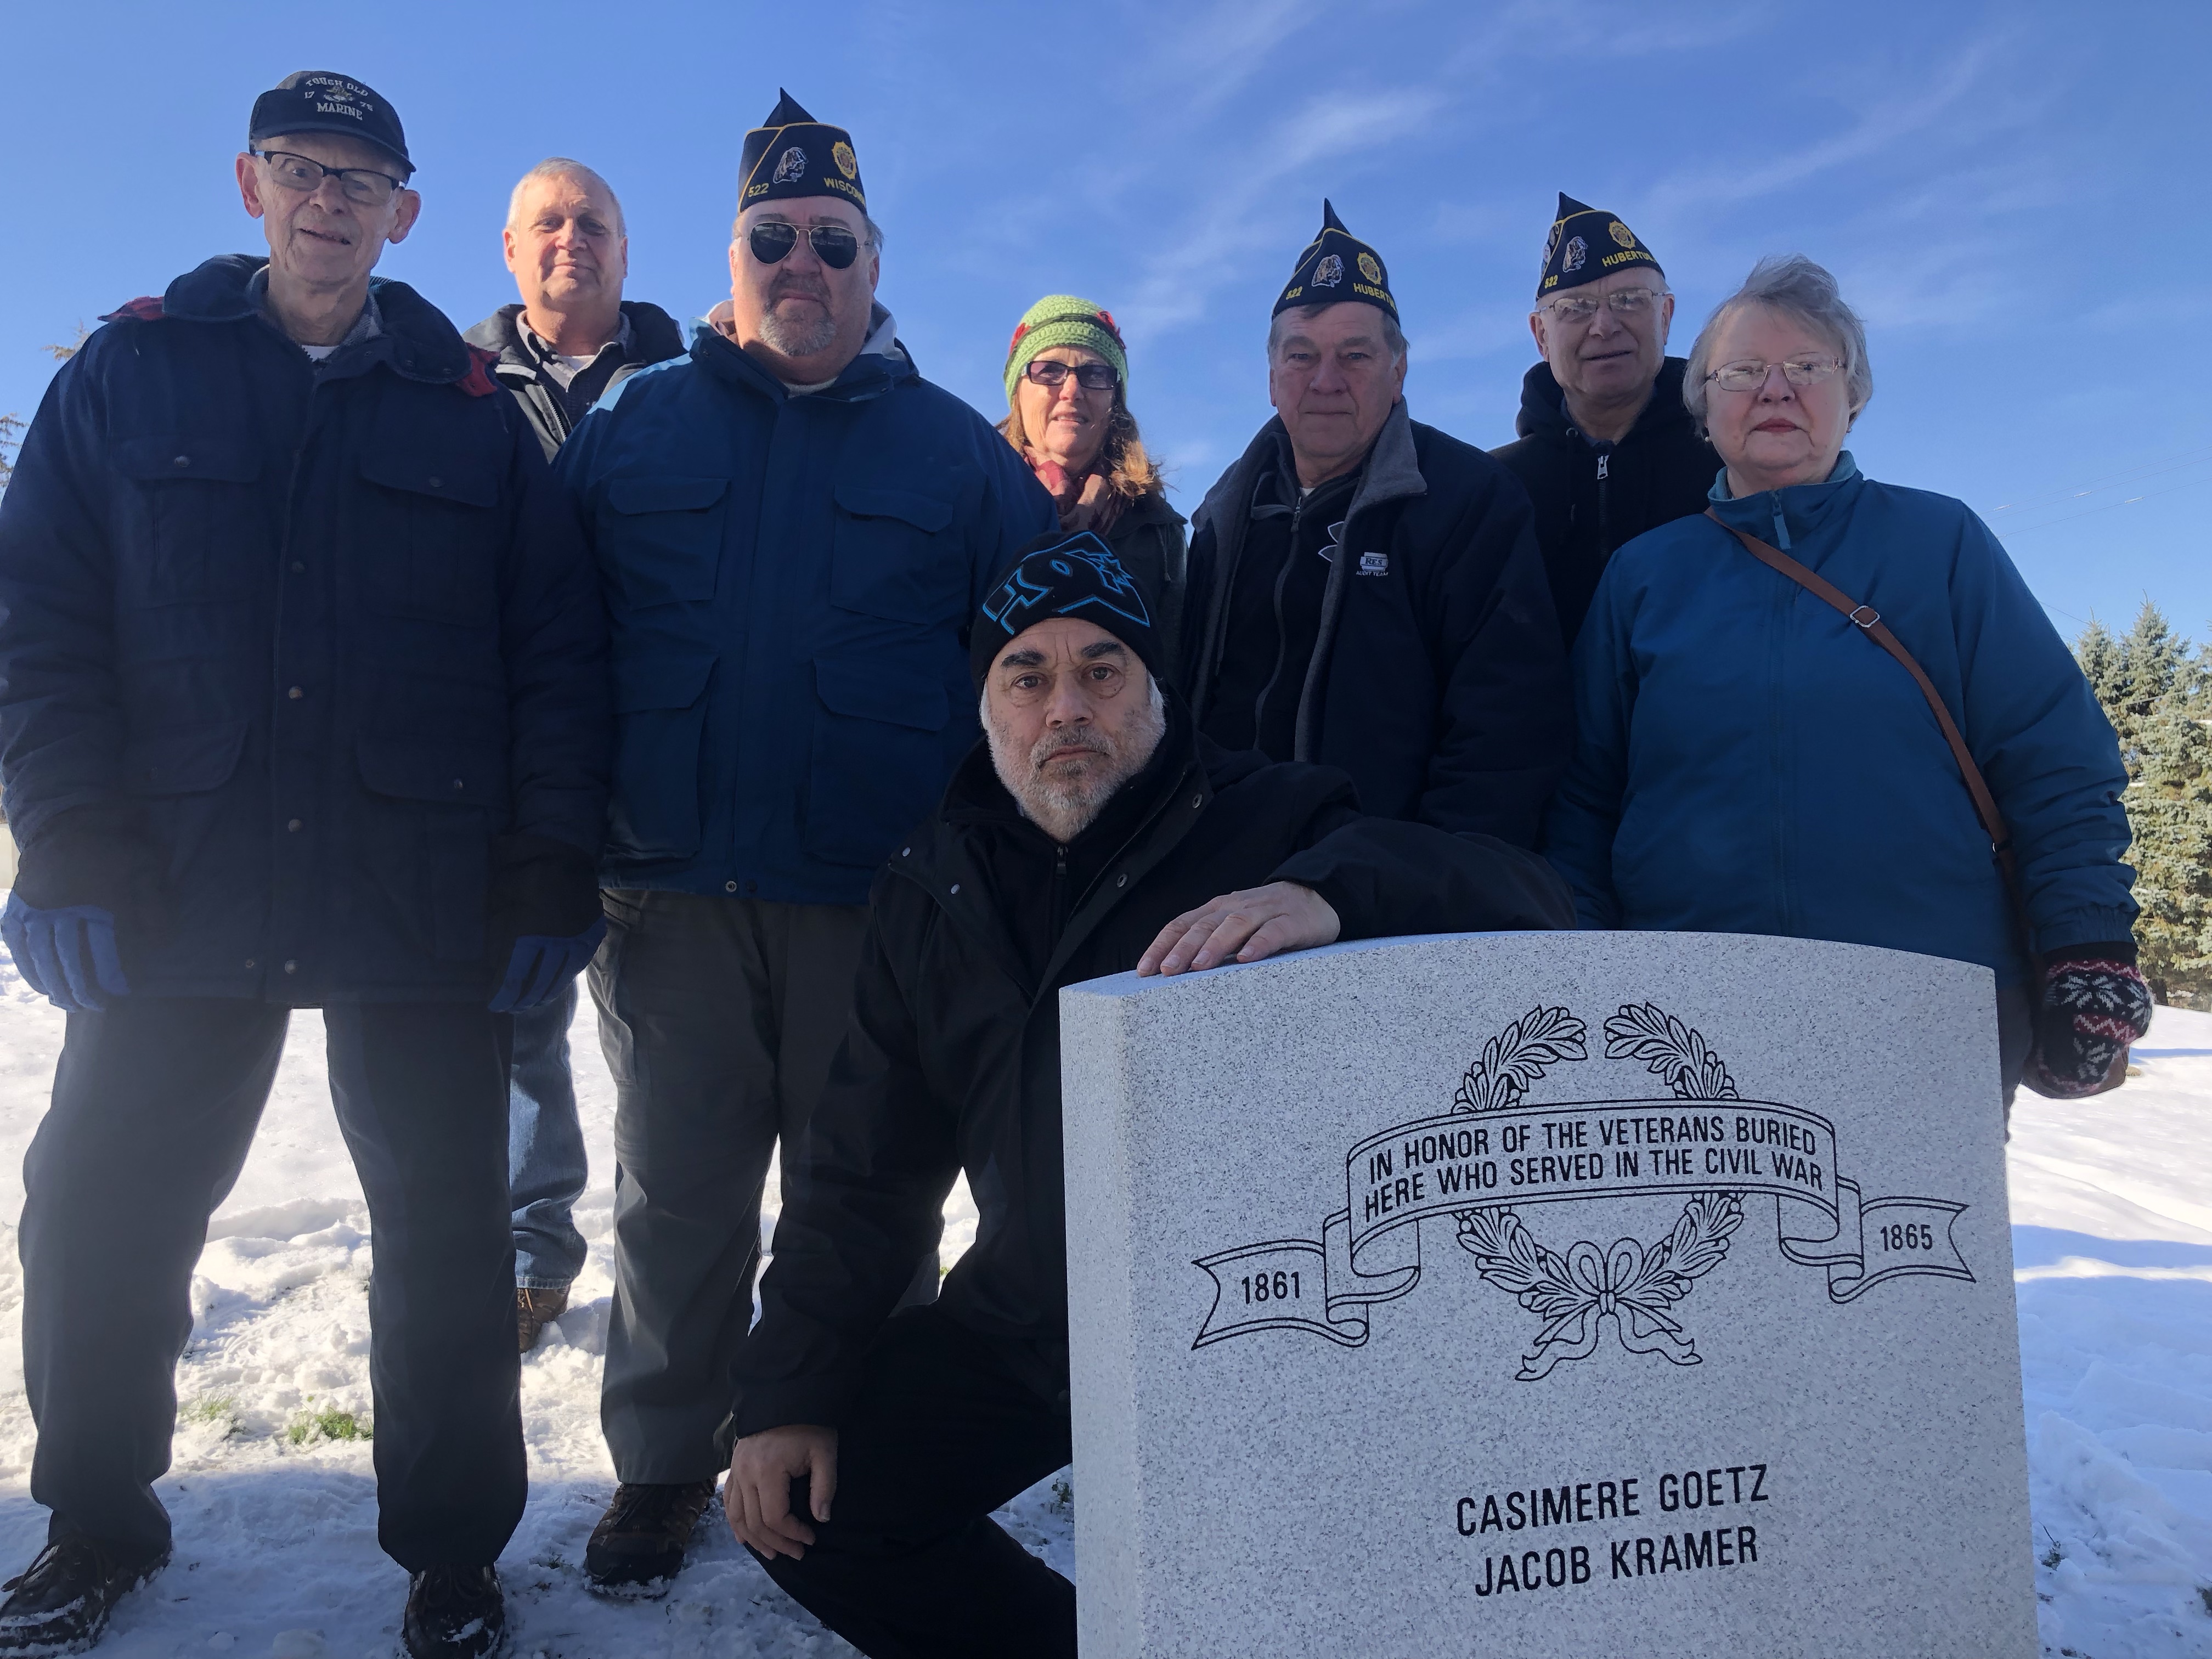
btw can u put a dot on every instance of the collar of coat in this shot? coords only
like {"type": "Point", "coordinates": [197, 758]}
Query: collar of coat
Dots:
{"type": "Point", "coordinates": [883, 362]}
{"type": "Point", "coordinates": [417, 340]}
{"type": "Point", "coordinates": [654, 337]}
{"type": "Point", "coordinates": [942, 856]}
{"type": "Point", "coordinates": [1393, 471]}
{"type": "Point", "coordinates": [1544, 406]}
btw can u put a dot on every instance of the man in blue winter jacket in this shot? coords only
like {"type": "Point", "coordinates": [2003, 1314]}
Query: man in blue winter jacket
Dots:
{"type": "Point", "coordinates": [794, 528]}
{"type": "Point", "coordinates": [303, 704]}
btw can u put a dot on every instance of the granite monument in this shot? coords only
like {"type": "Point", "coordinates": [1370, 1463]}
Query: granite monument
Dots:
{"type": "Point", "coordinates": [1545, 1295]}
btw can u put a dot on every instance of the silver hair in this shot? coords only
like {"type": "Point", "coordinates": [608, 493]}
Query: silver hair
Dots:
{"type": "Point", "coordinates": [560, 167]}
{"type": "Point", "coordinates": [1393, 335]}
{"type": "Point", "coordinates": [1794, 285]}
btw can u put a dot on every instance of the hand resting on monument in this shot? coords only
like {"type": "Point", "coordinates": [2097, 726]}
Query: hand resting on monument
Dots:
{"type": "Point", "coordinates": [1247, 927]}
{"type": "Point", "coordinates": [757, 1497]}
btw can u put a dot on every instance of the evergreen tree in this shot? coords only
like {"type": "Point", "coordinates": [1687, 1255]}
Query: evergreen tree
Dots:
{"type": "Point", "coordinates": [2157, 692]}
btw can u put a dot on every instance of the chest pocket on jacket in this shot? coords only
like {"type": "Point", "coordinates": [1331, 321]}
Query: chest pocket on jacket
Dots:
{"type": "Point", "coordinates": [430, 541]}
{"type": "Point", "coordinates": [660, 539]}
{"type": "Point", "coordinates": [891, 557]}
{"type": "Point", "coordinates": [198, 534]}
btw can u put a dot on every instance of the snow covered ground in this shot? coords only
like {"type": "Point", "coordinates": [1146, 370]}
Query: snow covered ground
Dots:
{"type": "Point", "coordinates": [275, 1506]}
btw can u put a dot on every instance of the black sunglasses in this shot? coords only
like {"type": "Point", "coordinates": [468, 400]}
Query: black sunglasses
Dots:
{"type": "Point", "coordinates": [772, 240]}
{"type": "Point", "coordinates": [1092, 377]}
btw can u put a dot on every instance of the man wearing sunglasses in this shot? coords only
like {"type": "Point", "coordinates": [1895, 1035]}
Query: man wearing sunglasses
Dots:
{"type": "Point", "coordinates": [793, 527]}
{"type": "Point", "coordinates": [1606, 450]}
{"type": "Point", "coordinates": [305, 705]}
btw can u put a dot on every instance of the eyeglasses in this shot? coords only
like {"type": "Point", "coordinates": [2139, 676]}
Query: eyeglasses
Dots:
{"type": "Point", "coordinates": [1750, 374]}
{"type": "Point", "coordinates": [300, 172]}
{"type": "Point", "coordinates": [772, 240]}
{"type": "Point", "coordinates": [1622, 302]}
{"type": "Point", "coordinates": [1092, 377]}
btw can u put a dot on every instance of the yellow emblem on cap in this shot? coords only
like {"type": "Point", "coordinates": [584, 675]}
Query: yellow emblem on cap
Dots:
{"type": "Point", "coordinates": [841, 153]}
{"type": "Point", "coordinates": [1621, 233]}
{"type": "Point", "coordinates": [1369, 269]}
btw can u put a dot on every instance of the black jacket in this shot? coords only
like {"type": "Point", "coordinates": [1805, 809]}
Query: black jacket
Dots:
{"type": "Point", "coordinates": [322, 640]}
{"type": "Point", "coordinates": [654, 338]}
{"type": "Point", "coordinates": [1591, 497]}
{"type": "Point", "coordinates": [1148, 539]}
{"type": "Point", "coordinates": [1437, 680]}
{"type": "Point", "coordinates": [952, 1061]}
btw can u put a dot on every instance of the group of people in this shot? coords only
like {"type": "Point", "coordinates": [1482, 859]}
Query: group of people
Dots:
{"type": "Point", "coordinates": [350, 662]}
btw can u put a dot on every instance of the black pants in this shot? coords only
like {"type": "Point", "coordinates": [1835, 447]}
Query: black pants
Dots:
{"type": "Point", "coordinates": [947, 1426]}
{"type": "Point", "coordinates": [155, 1102]}
{"type": "Point", "coordinates": [719, 1018]}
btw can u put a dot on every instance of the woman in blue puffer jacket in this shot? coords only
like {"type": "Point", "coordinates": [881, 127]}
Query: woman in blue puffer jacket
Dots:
{"type": "Point", "coordinates": [1747, 763]}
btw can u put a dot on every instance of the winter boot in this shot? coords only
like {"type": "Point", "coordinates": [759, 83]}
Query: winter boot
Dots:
{"type": "Point", "coordinates": [640, 1542]}
{"type": "Point", "coordinates": [61, 1602]}
{"type": "Point", "coordinates": [455, 1613]}
{"type": "Point", "coordinates": [535, 1309]}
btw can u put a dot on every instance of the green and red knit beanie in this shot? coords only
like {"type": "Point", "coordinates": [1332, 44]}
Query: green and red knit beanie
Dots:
{"type": "Point", "coordinates": [1062, 319]}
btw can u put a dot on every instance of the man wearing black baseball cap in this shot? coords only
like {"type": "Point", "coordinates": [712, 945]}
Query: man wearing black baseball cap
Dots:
{"type": "Point", "coordinates": [1092, 831]}
{"type": "Point", "coordinates": [303, 704]}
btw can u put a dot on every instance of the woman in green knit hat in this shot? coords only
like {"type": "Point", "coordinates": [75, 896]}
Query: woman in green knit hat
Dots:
{"type": "Point", "coordinates": [1067, 382]}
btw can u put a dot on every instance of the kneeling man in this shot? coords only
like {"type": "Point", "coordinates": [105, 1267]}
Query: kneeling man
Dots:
{"type": "Point", "coordinates": [1090, 832]}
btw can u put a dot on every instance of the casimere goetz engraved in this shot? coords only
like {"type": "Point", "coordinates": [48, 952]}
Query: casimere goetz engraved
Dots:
{"type": "Point", "coordinates": [1496, 1153]}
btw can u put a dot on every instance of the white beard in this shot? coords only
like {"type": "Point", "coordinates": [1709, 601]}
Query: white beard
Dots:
{"type": "Point", "coordinates": [1067, 801]}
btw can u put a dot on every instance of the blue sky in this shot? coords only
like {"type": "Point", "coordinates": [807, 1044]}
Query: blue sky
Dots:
{"type": "Point", "coordinates": [2015, 197]}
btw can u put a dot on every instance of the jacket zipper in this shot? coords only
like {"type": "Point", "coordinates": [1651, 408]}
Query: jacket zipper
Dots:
{"type": "Point", "coordinates": [1604, 517]}
{"type": "Point", "coordinates": [1282, 642]}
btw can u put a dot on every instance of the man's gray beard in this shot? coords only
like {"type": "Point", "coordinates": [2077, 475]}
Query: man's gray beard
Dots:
{"type": "Point", "coordinates": [1065, 807]}
{"type": "Point", "coordinates": [798, 341]}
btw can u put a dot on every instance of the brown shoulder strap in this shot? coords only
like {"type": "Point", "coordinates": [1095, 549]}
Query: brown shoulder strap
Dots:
{"type": "Point", "coordinates": [1869, 623]}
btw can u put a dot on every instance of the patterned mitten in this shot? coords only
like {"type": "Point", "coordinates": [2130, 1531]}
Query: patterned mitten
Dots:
{"type": "Point", "coordinates": [2095, 1005]}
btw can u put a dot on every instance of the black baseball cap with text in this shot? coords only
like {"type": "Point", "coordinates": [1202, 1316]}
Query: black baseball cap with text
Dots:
{"type": "Point", "coordinates": [319, 100]}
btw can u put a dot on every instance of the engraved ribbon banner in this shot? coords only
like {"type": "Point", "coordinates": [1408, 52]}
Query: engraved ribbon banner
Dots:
{"type": "Point", "coordinates": [1370, 1251]}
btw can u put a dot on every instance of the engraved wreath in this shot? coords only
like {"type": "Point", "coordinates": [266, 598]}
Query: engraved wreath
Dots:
{"type": "Point", "coordinates": [1631, 1285]}
{"type": "Point", "coordinates": [1434, 1168]}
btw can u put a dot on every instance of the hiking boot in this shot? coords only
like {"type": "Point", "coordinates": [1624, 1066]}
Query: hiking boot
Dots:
{"type": "Point", "coordinates": [454, 1612]}
{"type": "Point", "coordinates": [535, 1309]}
{"type": "Point", "coordinates": [638, 1543]}
{"type": "Point", "coordinates": [61, 1602]}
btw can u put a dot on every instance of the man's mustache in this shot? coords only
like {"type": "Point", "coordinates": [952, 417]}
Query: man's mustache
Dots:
{"type": "Point", "coordinates": [1047, 747]}
{"type": "Point", "coordinates": [800, 286]}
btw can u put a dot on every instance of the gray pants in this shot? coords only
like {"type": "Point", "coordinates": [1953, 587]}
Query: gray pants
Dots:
{"type": "Point", "coordinates": [720, 1018]}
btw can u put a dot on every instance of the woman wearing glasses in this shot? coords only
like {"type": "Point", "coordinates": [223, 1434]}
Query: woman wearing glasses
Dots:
{"type": "Point", "coordinates": [1752, 760]}
{"type": "Point", "coordinates": [1067, 413]}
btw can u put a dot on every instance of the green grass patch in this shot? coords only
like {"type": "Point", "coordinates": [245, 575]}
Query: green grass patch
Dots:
{"type": "Point", "coordinates": [329, 1424]}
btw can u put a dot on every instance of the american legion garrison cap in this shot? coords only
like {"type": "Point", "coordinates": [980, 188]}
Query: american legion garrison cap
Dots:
{"type": "Point", "coordinates": [792, 154]}
{"type": "Point", "coordinates": [1337, 266]}
{"type": "Point", "coordinates": [317, 100]}
{"type": "Point", "coordinates": [1587, 245]}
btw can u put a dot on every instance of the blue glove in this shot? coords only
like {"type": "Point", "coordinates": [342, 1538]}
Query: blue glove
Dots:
{"type": "Point", "coordinates": [538, 966]}
{"type": "Point", "coordinates": [67, 955]}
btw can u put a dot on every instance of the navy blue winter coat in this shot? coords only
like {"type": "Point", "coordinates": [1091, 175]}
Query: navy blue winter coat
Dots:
{"type": "Point", "coordinates": [1748, 763]}
{"type": "Point", "coordinates": [331, 634]}
{"type": "Point", "coordinates": [789, 580]}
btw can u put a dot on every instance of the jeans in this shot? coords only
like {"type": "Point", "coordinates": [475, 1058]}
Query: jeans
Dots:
{"type": "Point", "coordinates": [546, 1166]}
{"type": "Point", "coordinates": [155, 1104]}
{"type": "Point", "coordinates": [947, 1426]}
